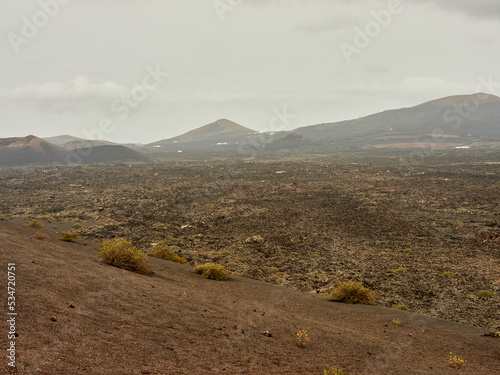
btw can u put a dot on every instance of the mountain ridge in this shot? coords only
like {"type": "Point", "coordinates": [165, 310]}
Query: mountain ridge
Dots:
{"type": "Point", "coordinates": [467, 117]}
{"type": "Point", "coordinates": [16, 151]}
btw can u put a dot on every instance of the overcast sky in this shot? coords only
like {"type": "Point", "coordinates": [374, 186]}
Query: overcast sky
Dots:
{"type": "Point", "coordinates": [145, 70]}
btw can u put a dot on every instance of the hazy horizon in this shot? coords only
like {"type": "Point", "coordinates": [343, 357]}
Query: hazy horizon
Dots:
{"type": "Point", "coordinates": [144, 71]}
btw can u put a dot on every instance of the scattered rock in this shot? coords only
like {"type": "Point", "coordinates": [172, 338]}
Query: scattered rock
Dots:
{"type": "Point", "coordinates": [494, 334]}
{"type": "Point", "coordinates": [255, 239]}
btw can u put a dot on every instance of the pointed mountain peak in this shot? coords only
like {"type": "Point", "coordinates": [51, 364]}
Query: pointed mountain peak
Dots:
{"type": "Point", "coordinates": [221, 130]}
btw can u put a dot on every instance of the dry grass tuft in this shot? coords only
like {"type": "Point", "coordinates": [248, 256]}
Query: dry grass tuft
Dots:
{"type": "Point", "coordinates": [69, 236]}
{"type": "Point", "coordinates": [166, 253]}
{"type": "Point", "coordinates": [212, 271]}
{"type": "Point", "coordinates": [353, 292]}
{"type": "Point", "coordinates": [40, 236]}
{"type": "Point", "coordinates": [120, 253]}
{"type": "Point", "coordinates": [35, 224]}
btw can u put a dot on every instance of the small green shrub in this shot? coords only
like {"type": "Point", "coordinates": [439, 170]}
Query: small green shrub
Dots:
{"type": "Point", "coordinates": [352, 292]}
{"type": "Point", "coordinates": [212, 271]}
{"type": "Point", "coordinates": [449, 274]}
{"type": "Point", "coordinates": [120, 253]}
{"type": "Point", "coordinates": [166, 253]}
{"type": "Point", "coordinates": [408, 251]}
{"type": "Point", "coordinates": [485, 294]}
{"type": "Point", "coordinates": [69, 236]}
{"type": "Point", "coordinates": [400, 307]}
{"type": "Point", "coordinates": [77, 226]}
{"type": "Point", "coordinates": [35, 224]}
{"type": "Point", "coordinates": [333, 371]}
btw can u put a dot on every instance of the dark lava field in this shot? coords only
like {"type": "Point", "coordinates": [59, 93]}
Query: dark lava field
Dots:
{"type": "Point", "coordinates": [424, 234]}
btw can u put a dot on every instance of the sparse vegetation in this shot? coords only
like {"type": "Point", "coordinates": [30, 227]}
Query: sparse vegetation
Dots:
{"type": "Point", "coordinates": [69, 236]}
{"type": "Point", "coordinates": [120, 253]}
{"type": "Point", "coordinates": [166, 253]}
{"type": "Point", "coordinates": [272, 269]}
{"type": "Point", "coordinates": [35, 224]}
{"type": "Point", "coordinates": [485, 294]}
{"type": "Point", "coordinates": [396, 322]}
{"type": "Point", "coordinates": [333, 371]}
{"type": "Point", "coordinates": [456, 362]}
{"type": "Point", "coordinates": [449, 274]}
{"type": "Point", "coordinates": [401, 307]}
{"type": "Point", "coordinates": [77, 226]}
{"type": "Point", "coordinates": [40, 236]}
{"type": "Point", "coordinates": [408, 251]}
{"type": "Point", "coordinates": [352, 292]}
{"type": "Point", "coordinates": [276, 278]}
{"type": "Point", "coordinates": [212, 271]}
{"type": "Point", "coordinates": [302, 338]}
{"type": "Point", "coordinates": [48, 219]}
{"type": "Point", "coordinates": [400, 270]}
{"type": "Point", "coordinates": [241, 260]}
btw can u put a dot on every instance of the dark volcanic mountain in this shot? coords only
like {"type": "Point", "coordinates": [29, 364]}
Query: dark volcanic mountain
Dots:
{"type": "Point", "coordinates": [291, 141]}
{"type": "Point", "coordinates": [69, 142]}
{"type": "Point", "coordinates": [219, 132]}
{"type": "Point", "coordinates": [34, 150]}
{"type": "Point", "coordinates": [29, 150]}
{"type": "Point", "coordinates": [60, 140]}
{"type": "Point", "coordinates": [461, 120]}
{"type": "Point", "coordinates": [105, 154]}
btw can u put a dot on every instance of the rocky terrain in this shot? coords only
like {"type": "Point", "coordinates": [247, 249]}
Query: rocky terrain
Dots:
{"type": "Point", "coordinates": [77, 316]}
{"type": "Point", "coordinates": [425, 236]}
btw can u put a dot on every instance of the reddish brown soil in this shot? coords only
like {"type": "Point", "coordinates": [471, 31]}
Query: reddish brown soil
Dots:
{"type": "Point", "coordinates": [304, 224]}
{"type": "Point", "coordinates": [110, 321]}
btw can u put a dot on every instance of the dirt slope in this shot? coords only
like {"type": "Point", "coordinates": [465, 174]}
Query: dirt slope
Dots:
{"type": "Point", "coordinates": [29, 150]}
{"type": "Point", "coordinates": [110, 321]}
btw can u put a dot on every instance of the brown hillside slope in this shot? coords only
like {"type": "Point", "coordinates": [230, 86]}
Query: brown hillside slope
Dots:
{"type": "Point", "coordinates": [110, 321]}
{"type": "Point", "coordinates": [29, 150]}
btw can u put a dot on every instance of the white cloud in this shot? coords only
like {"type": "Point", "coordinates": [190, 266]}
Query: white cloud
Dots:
{"type": "Point", "coordinates": [77, 90]}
